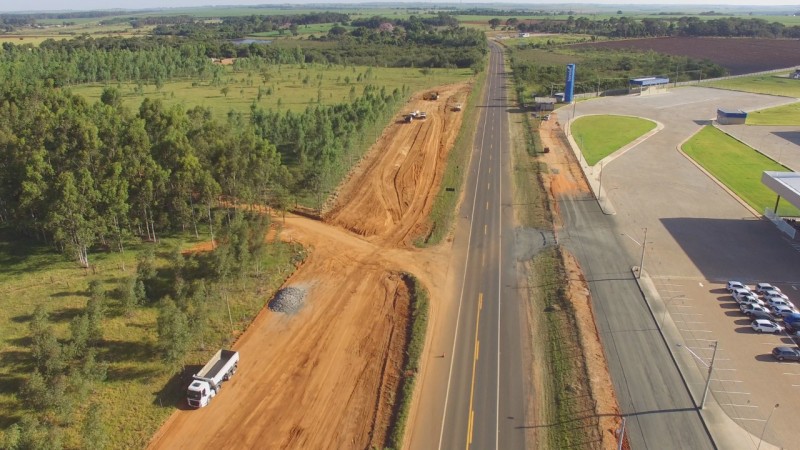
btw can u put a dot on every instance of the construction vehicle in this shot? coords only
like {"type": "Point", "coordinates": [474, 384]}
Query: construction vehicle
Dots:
{"type": "Point", "coordinates": [457, 107]}
{"type": "Point", "coordinates": [208, 381]}
{"type": "Point", "coordinates": [431, 96]}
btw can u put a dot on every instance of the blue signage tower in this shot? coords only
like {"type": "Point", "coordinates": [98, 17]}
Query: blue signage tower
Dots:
{"type": "Point", "coordinates": [569, 86]}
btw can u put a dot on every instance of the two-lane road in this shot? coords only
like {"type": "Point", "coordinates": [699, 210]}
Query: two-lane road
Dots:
{"type": "Point", "coordinates": [484, 404]}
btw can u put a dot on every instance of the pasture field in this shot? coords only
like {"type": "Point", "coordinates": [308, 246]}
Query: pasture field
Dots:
{"type": "Point", "coordinates": [600, 136]}
{"type": "Point", "coordinates": [738, 167]}
{"type": "Point", "coordinates": [771, 84]}
{"type": "Point", "coordinates": [779, 115]}
{"type": "Point", "coordinates": [140, 392]}
{"type": "Point", "coordinates": [287, 87]}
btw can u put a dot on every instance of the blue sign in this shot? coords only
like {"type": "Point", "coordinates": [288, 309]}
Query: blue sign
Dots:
{"type": "Point", "coordinates": [569, 87]}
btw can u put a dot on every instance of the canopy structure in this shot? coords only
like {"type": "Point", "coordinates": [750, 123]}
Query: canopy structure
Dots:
{"type": "Point", "coordinates": [647, 85]}
{"type": "Point", "coordinates": [785, 184]}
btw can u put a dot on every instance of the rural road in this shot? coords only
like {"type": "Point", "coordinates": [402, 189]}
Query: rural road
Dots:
{"type": "Point", "coordinates": [484, 404]}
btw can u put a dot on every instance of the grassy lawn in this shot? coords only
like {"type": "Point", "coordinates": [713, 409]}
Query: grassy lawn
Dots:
{"type": "Point", "coordinates": [779, 115]}
{"type": "Point", "coordinates": [600, 136]}
{"type": "Point", "coordinates": [286, 87]}
{"type": "Point", "coordinates": [738, 167]}
{"type": "Point", "coordinates": [772, 84]}
{"type": "Point", "coordinates": [139, 392]}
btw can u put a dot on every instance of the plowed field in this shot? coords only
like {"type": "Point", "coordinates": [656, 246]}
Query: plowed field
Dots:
{"type": "Point", "coordinates": [326, 377]}
{"type": "Point", "coordinates": [738, 55]}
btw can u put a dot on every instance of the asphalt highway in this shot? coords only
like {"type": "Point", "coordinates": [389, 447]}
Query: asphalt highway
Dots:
{"type": "Point", "coordinates": [653, 398]}
{"type": "Point", "coordinates": [485, 401]}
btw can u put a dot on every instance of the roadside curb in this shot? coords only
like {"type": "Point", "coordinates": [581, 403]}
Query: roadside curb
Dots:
{"type": "Point", "coordinates": [723, 431]}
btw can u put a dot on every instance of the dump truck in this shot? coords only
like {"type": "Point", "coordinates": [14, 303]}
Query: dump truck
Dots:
{"type": "Point", "coordinates": [208, 381]}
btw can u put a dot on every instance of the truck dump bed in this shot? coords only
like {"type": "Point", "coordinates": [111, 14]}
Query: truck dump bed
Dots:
{"type": "Point", "coordinates": [217, 364]}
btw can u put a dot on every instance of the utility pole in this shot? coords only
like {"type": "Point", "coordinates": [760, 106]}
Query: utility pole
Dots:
{"type": "Point", "coordinates": [708, 380]}
{"type": "Point", "coordinates": [641, 261]}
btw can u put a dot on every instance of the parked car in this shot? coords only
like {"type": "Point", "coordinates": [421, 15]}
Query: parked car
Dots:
{"type": "Point", "coordinates": [762, 325]}
{"type": "Point", "coordinates": [761, 287]}
{"type": "Point", "coordinates": [783, 311]}
{"type": "Point", "coordinates": [766, 315]}
{"type": "Point", "coordinates": [783, 353]}
{"type": "Point", "coordinates": [749, 308]}
{"type": "Point", "coordinates": [738, 294]}
{"type": "Point", "coordinates": [774, 294]}
{"type": "Point", "coordinates": [775, 301]}
{"type": "Point", "coordinates": [791, 328]}
{"type": "Point", "coordinates": [752, 301]}
{"type": "Point", "coordinates": [735, 285]}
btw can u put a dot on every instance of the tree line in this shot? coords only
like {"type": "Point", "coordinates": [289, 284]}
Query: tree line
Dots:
{"type": "Point", "coordinates": [90, 176]}
{"type": "Point", "coordinates": [626, 27]}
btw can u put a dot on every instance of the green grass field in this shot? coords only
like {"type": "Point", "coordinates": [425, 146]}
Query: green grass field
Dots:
{"type": "Point", "coordinates": [292, 87]}
{"type": "Point", "coordinates": [772, 84]}
{"type": "Point", "coordinates": [738, 167]}
{"type": "Point", "coordinates": [779, 115]}
{"type": "Point", "coordinates": [600, 136]}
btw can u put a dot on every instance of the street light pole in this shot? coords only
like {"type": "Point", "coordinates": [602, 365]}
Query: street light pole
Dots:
{"type": "Point", "coordinates": [765, 425]}
{"type": "Point", "coordinates": [641, 261]}
{"type": "Point", "coordinates": [710, 369]}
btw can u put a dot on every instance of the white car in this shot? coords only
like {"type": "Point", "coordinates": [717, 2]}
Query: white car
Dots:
{"type": "Point", "coordinates": [738, 294]}
{"type": "Point", "coordinates": [775, 294]}
{"type": "Point", "coordinates": [783, 311]}
{"type": "Point", "coordinates": [749, 308]}
{"type": "Point", "coordinates": [777, 301]}
{"type": "Point", "coordinates": [752, 301]}
{"type": "Point", "coordinates": [735, 285]}
{"type": "Point", "coordinates": [761, 287]}
{"type": "Point", "coordinates": [763, 325]}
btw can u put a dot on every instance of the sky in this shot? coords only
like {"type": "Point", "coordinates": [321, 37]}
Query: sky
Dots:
{"type": "Point", "coordinates": [82, 5]}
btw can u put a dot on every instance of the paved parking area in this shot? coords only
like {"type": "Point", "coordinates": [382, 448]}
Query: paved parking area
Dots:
{"type": "Point", "coordinates": [699, 236]}
{"type": "Point", "coordinates": [746, 381]}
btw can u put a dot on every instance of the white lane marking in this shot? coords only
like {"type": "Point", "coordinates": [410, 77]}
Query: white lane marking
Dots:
{"type": "Point", "coordinates": [463, 283]}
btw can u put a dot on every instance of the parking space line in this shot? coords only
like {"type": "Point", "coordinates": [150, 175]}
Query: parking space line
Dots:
{"type": "Point", "coordinates": [730, 392]}
{"type": "Point", "coordinates": [701, 339]}
{"type": "Point", "coordinates": [696, 331]}
{"type": "Point", "coordinates": [726, 381]}
{"type": "Point", "coordinates": [738, 406]}
{"type": "Point", "coordinates": [683, 306]}
{"type": "Point", "coordinates": [743, 418]}
{"type": "Point", "coordinates": [718, 369]}
{"type": "Point", "coordinates": [790, 373]}
{"type": "Point", "coordinates": [695, 322]}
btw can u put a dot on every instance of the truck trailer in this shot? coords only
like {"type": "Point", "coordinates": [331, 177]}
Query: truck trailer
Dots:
{"type": "Point", "coordinates": [208, 381]}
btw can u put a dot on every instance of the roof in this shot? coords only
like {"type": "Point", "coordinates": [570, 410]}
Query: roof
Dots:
{"type": "Point", "coordinates": [732, 113]}
{"type": "Point", "coordinates": [785, 184]}
{"type": "Point", "coordinates": [649, 81]}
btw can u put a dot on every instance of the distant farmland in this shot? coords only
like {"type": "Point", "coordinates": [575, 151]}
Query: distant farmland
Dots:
{"type": "Point", "coordinates": [738, 55]}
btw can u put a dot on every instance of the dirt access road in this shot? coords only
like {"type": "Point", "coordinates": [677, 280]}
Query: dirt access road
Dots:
{"type": "Point", "coordinates": [327, 376]}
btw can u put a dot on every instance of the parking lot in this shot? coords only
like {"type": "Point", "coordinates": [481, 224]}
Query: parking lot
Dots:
{"type": "Point", "coordinates": [698, 237]}
{"type": "Point", "coordinates": [747, 381]}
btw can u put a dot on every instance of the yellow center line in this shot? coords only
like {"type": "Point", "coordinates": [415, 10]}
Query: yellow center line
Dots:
{"type": "Point", "coordinates": [474, 363]}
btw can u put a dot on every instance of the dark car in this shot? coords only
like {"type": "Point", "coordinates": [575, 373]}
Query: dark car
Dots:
{"type": "Point", "coordinates": [764, 315]}
{"type": "Point", "coordinates": [783, 353]}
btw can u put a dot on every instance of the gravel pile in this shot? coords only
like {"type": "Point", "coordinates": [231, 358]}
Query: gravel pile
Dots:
{"type": "Point", "coordinates": [288, 300]}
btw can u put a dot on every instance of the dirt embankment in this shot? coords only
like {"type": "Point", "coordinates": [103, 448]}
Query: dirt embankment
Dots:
{"type": "Point", "coordinates": [327, 377]}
